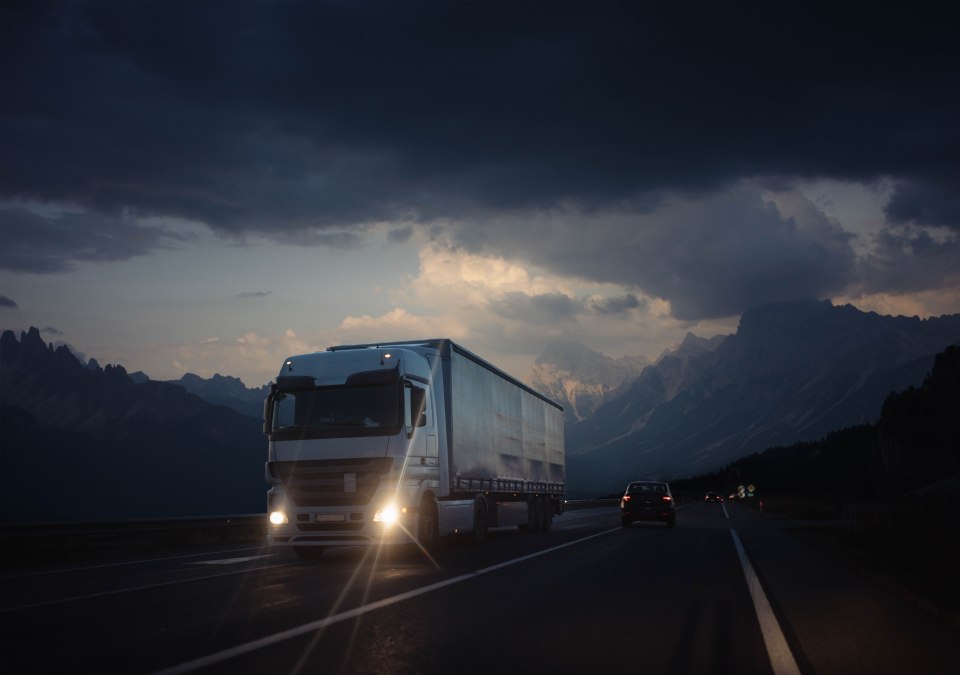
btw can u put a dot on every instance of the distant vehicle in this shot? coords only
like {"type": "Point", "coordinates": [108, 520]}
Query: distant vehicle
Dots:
{"type": "Point", "coordinates": [406, 442]}
{"type": "Point", "coordinates": [647, 500]}
{"type": "Point", "coordinates": [713, 497]}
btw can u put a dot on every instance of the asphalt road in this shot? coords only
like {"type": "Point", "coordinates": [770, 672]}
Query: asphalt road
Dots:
{"type": "Point", "coordinates": [726, 591]}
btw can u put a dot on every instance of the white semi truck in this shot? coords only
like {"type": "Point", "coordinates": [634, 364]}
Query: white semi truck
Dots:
{"type": "Point", "coordinates": [406, 442]}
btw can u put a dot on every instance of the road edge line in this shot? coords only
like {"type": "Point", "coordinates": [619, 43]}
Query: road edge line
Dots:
{"type": "Point", "coordinates": [778, 651]}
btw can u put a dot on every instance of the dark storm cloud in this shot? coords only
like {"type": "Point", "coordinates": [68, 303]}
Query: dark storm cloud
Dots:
{"type": "Point", "coordinates": [250, 114]}
{"type": "Point", "coordinates": [55, 243]}
{"type": "Point", "coordinates": [400, 235]}
{"type": "Point", "coordinates": [711, 256]}
{"type": "Point", "coordinates": [542, 309]}
{"type": "Point", "coordinates": [910, 260]}
{"type": "Point", "coordinates": [618, 305]}
{"type": "Point", "coordinates": [7, 302]}
{"type": "Point", "coordinates": [928, 203]}
{"type": "Point", "coordinates": [550, 308]}
{"type": "Point", "coordinates": [294, 117]}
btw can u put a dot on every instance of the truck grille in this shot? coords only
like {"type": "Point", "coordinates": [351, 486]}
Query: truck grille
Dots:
{"type": "Point", "coordinates": [329, 527]}
{"type": "Point", "coordinates": [331, 482]}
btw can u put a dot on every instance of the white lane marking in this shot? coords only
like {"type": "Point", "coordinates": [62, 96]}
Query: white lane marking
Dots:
{"type": "Point", "coordinates": [144, 587]}
{"type": "Point", "coordinates": [232, 561]}
{"type": "Point", "coordinates": [726, 515]}
{"type": "Point", "coordinates": [239, 650]}
{"type": "Point", "coordinates": [781, 658]}
{"type": "Point", "coordinates": [122, 563]}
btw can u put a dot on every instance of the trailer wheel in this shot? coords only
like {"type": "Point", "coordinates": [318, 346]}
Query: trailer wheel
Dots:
{"type": "Point", "coordinates": [480, 520]}
{"type": "Point", "coordinates": [428, 533]}
{"type": "Point", "coordinates": [535, 514]}
{"type": "Point", "coordinates": [547, 514]}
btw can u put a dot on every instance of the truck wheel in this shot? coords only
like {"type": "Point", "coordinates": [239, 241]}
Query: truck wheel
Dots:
{"type": "Point", "coordinates": [428, 533]}
{"type": "Point", "coordinates": [308, 552]}
{"type": "Point", "coordinates": [547, 514]}
{"type": "Point", "coordinates": [536, 515]}
{"type": "Point", "coordinates": [480, 520]}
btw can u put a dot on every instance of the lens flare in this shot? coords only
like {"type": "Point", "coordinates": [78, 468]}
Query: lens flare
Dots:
{"type": "Point", "coordinates": [387, 515]}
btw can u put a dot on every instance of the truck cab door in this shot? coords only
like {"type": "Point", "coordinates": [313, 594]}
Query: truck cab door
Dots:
{"type": "Point", "coordinates": [420, 423]}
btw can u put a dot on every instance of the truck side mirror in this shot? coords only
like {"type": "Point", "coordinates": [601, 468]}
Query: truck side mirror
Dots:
{"type": "Point", "coordinates": [408, 410]}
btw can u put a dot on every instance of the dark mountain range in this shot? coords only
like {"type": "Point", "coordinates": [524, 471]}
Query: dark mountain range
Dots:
{"type": "Point", "coordinates": [793, 372]}
{"type": "Point", "coordinates": [220, 390]}
{"type": "Point", "coordinates": [82, 442]}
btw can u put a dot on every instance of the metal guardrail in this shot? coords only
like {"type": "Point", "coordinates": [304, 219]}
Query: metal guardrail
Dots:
{"type": "Point", "coordinates": [42, 541]}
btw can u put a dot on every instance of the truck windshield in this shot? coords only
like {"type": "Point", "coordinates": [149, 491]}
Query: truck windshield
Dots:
{"type": "Point", "coordinates": [327, 412]}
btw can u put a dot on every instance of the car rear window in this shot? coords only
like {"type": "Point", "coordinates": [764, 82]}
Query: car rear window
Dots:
{"type": "Point", "coordinates": [647, 487]}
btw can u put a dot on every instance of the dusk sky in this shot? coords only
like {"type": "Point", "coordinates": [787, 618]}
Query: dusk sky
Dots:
{"type": "Point", "coordinates": [209, 187]}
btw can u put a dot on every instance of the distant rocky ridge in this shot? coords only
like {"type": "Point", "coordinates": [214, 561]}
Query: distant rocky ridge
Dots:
{"type": "Point", "coordinates": [82, 442]}
{"type": "Point", "coordinates": [693, 346]}
{"type": "Point", "coordinates": [221, 390]}
{"type": "Point", "coordinates": [792, 372]}
{"type": "Point", "coordinates": [579, 378]}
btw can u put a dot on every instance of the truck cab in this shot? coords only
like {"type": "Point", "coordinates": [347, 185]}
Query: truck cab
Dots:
{"type": "Point", "coordinates": [352, 448]}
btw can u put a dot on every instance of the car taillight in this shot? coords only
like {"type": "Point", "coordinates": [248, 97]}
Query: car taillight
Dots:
{"type": "Point", "coordinates": [626, 498]}
{"type": "Point", "coordinates": [667, 498]}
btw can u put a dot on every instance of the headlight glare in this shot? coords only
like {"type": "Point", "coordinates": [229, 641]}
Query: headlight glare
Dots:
{"type": "Point", "coordinates": [386, 515]}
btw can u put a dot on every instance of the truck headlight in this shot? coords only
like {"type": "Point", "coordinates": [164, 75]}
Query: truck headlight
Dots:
{"type": "Point", "coordinates": [387, 515]}
{"type": "Point", "coordinates": [278, 518]}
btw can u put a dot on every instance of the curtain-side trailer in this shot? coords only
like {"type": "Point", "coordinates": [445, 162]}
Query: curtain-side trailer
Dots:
{"type": "Point", "coordinates": [406, 442]}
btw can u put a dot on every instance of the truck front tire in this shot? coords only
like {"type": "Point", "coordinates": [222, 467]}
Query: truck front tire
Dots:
{"type": "Point", "coordinates": [428, 533]}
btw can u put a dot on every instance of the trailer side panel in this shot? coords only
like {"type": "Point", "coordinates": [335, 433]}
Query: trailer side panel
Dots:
{"type": "Point", "coordinates": [504, 437]}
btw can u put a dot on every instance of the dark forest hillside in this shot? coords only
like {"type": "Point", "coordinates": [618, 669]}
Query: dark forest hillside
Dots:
{"type": "Point", "coordinates": [914, 448]}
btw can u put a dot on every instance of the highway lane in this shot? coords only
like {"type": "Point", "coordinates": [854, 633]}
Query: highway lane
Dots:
{"type": "Point", "coordinates": [585, 597]}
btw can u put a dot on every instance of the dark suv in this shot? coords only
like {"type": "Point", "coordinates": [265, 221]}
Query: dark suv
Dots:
{"type": "Point", "coordinates": [647, 500]}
